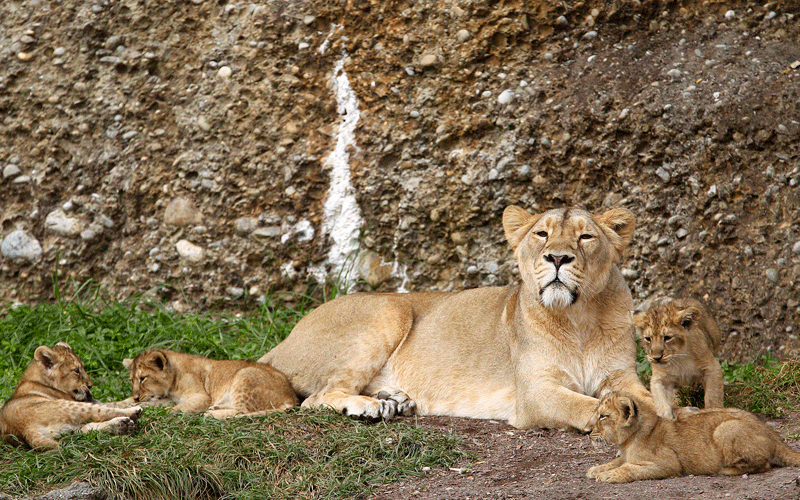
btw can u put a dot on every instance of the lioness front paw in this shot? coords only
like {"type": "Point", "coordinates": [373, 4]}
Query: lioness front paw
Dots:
{"type": "Point", "coordinates": [372, 409]}
{"type": "Point", "coordinates": [612, 476]}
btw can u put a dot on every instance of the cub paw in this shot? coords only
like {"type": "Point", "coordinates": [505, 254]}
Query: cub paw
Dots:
{"type": "Point", "coordinates": [120, 425]}
{"type": "Point", "coordinates": [133, 413]}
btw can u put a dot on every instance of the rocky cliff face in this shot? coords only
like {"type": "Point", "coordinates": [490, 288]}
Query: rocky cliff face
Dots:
{"type": "Point", "coordinates": [231, 149]}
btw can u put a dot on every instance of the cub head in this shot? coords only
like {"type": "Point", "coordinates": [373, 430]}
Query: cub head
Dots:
{"type": "Point", "coordinates": [668, 329]}
{"type": "Point", "coordinates": [152, 375]}
{"type": "Point", "coordinates": [567, 254]}
{"type": "Point", "coordinates": [615, 419]}
{"type": "Point", "coordinates": [61, 369]}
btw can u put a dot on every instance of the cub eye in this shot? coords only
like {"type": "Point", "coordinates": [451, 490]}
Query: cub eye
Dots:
{"type": "Point", "coordinates": [77, 370]}
{"type": "Point", "coordinates": [542, 234]}
{"type": "Point", "coordinates": [603, 417]}
{"type": "Point", "coordinates": [142, 379]}
{"type": "Point", "coordinates": [667, 338]}
{"type": "Point", "coordinates": [686, 323]}
{"type": "Point", "coordinates": [585, 237]}
{"type": "Point", "coordinates": [647, 339]}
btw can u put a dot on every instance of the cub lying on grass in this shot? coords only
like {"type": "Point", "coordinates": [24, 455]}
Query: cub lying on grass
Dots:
{"type": "Point", "coordinates": [712, 441]}
{"type": "Point", "coordinates": [680, 338]}
{"type": "Point", "coordinates": [196, 384]}
{"type": "Point", "coordinates": [53, 397]}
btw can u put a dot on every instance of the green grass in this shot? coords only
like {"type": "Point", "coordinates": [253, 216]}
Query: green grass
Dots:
{"type": "Point", "coordinates": [298, 454]}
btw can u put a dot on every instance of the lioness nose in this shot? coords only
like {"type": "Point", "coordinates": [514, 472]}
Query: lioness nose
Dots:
{"type": "Point", "coordinates": [559, 260]}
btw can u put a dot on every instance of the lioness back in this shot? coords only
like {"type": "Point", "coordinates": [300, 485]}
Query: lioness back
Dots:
{"type": "Point", "coordinates": [224, 388]}
{"type": "Point", "coordinates": [680, 338]}
{"type": "Point", "coordinates": [53, 396]}
{"type": "Point", "coordinates": [714, 441]}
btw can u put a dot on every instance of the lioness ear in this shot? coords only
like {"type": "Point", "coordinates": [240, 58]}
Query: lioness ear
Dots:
{"type": "Point", "coordinates": [618, 224]}
{"type": "Point", "coordinates": [629, 410]}
{"type": "Point", "coordinates": [45, 356]}
{"type": "Point", "coordinates": [516, 223]}
{"type": "Point", "coordinates": [127, 363]}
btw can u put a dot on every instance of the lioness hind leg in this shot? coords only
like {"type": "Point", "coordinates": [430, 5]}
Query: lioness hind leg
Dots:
{"type": "Point", "coordinates": [405, 406]}
{"type": "Point", "coordinates": [360, 407]}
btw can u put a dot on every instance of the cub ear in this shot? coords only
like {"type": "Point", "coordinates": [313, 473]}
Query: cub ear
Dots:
{"type": "Point", "coordinates": [127, 363]}
{"type": "Point", "coordinates": [618, 224]}
{"type": "Point", "coordinates": [158, 360]}
{"type": "Point", "coordinates": [64, 345]}
{"type": "Point", "coordinates": [638, 318]}
{"type": "Point", "coordinates": [45, 356]}
{"type": "Point", "coordinates": [516, 223]}
{"type": "Point", "coordinates": [687, 317]}
{"type": "Point", "coordinates": [629, 410]}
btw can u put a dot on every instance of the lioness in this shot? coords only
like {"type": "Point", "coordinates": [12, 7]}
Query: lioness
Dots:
{"type": "Point", "coordinates": [680, 338]}
{"type": "Point", "coordinates": [713, 441]}
{"type": "Point", "coordinates": [197, 384]}
{"type": "Point", "coordinates": [53, 396]}
{"type": "Point", "coordinates": [537, 354]}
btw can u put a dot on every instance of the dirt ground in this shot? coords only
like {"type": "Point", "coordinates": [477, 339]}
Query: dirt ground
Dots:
{"type": "Point", "coordinates": [509, 463]}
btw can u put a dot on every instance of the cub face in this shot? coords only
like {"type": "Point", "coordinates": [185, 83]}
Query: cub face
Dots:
{"type": "Point", "coordinates": [567, 254]}
{"type": "Point", "coordinates": [152, 376]}
{"type": "Point", "coordinates": [615, 418]}
{"type": "Point", "coordinates": [62, 369]}
{"type": "Point", "coordinates": [665, 327]}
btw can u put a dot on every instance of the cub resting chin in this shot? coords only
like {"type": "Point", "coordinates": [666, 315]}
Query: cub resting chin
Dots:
{"type": "Point", "coordinates": [535, 354]}
{"type": "Point", "coordinates": [224, 388]}
{"type": "Point", "coordinates": [53, 396]}
{"type": "Point", "coordinates": [680, 338]}
{"type": "Point", "coordinates": [713, 441]}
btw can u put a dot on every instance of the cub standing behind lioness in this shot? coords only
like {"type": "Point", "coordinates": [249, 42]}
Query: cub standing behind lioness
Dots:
{"type": "Point", "coordinates": [680, 338]}
{"type": "Point", "coordinates": [53, 397]}
{"type": "Point", "coordinates": [714, 441]}
{"type": "Point", "coordinates": [196, 384]}
{"type": "Point", "coordinates": [537, 353]}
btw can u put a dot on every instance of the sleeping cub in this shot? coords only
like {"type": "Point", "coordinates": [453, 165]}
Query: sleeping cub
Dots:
{"type": "Point", "coordinates": [197, 384]}
{"type": "Point", "coordinates": [713, 441]}
{"type": "Point", "coordinates": [53, 397]}
{"type": "Point", "coordinates": [680, 338]}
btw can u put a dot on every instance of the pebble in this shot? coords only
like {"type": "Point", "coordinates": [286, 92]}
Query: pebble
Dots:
{"type": "Point", "coordinates": [682, 233]}
{"type": "Point", "coordinates": [189, 251]}
{"type": "Point", "coordinates": [730, 15]}
{"type": "Point", "coordinates": [267, 232]}
{"type": "Point", "coordinates": [11, 170]}
{"type": "Point", "coordinates": [59, 223]}
{"type": "Point", "coordinates": [624, 113]}
{"type": "Point", "coordinates": [590, 35]}
{"type": "Point", "coordinates": [463, 35]}
{"type": "Point", "coordinates": [59, 51]}
{"type": "Point", "coordinates": [663, 174]}
{"type": "Point", "coordinates": [505, 97]}
{"type": "Point", "coordinates": [772, 274]}
{"type": "Point", "coordinates": [25, 56]}
{"type": "Point", "coordinates": [562, 21]}
{"type": "Point", "coordinates": [225, 72]}
{"type": "Point", "coordinates": [245, 225]}
{"type": "Point", "coordinates": [182, 212]}
{"type": "Point", "coordinates": [796, 247]}
{"type": "Point", "coordinates": [674, 73]}
{"type": "Point", "coordinates": [630, 274]}
{"type": "Point", "coordinates": [20, 245]}
{"type": "Point", "coordinates": [234, 291]}
{"type": "Point", "coordinates": [428, 60]}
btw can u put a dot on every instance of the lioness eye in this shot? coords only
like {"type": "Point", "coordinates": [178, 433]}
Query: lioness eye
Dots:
{"type": "Point", "coordinates": [77, 370]}
{"type": "Point", "coordinates": [141, 379]}
{"type": "Point", "coordinates": [687, 323]}
{"type": "Point", "coordinates": [647, 339]}
{"type": "Point", "coordinates": [667, 338]}
{"type": "Point", "coordinates": [542, 234]}
{"type": "Point", "coordinates": [585, 237]}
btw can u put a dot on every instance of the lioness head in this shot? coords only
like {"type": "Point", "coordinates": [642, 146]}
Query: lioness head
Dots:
{"type": "Point", "coordinates": [152, 375]}
{"type": "Point", "coordinates": [615, 419]}
{"type": "Point", "coordinates": [567, 254]}
{"type": "Point", "coordinates": [62, 369]}
{"type": "Point", "coordinates": [665, 329]}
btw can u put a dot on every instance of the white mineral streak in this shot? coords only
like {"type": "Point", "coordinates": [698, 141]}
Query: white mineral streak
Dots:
{"type": "Point", "coordinates": [342, 219]}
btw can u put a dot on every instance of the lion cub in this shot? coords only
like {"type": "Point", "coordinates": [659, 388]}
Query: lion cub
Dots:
{"type": "Point", "coordinates": [53, 397]}
{"type": "Point", "coordinates": [680, 338]}
{"type": "Point", "coordinates": [712, 441]}
{"type": "Point", "coordinates": [197, 384]}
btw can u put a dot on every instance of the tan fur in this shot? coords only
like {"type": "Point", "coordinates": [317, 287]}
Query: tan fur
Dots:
{"type": "Point", "coordinates": [713, 441]}
{"type": "Point", "coordinates": [680, 338]}
{"type": "Point", "coordinates": [196, 384]}
{"type": "Point", "coordinates": [53, 396]}
{"type": "Point", "coordinates": [537, 354]}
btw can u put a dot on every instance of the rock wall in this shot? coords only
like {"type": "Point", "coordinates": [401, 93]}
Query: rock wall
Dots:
{"type": "Point", "coordinates": [194, 144]}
